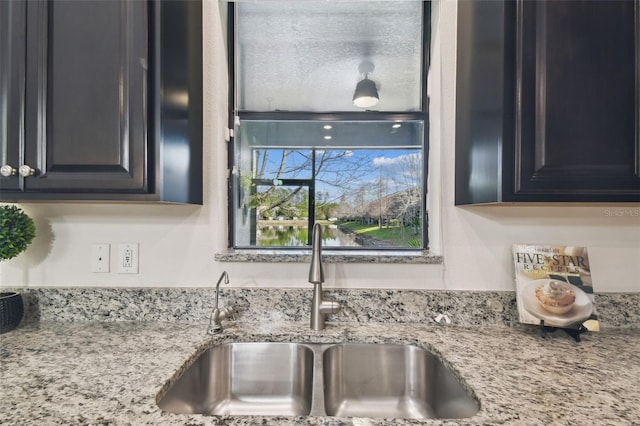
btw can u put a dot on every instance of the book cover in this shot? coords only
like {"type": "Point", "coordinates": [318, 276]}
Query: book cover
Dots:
{"type": "Point", "coordinates": [553, 284]}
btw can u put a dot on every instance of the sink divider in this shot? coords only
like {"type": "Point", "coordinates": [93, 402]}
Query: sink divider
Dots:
{"type": "Point", "coordinates": [317, 401]}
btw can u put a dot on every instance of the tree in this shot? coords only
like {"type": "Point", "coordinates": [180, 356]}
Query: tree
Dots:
{"type": "Point", "coordinates": [343, 209]}
{"type": "Point", "coordinates": [407, 186]}
{"type": "Point", "coordinates": [360, 203]}
{"type": "Point", "coordinates": [336, 168]}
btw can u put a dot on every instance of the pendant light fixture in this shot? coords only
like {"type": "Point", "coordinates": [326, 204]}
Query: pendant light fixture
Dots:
{"type": "Point", "coordinates": [366, 94]}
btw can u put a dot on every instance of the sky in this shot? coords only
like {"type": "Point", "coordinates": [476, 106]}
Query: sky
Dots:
{"type": "Point", "coordinates": [349, 170]}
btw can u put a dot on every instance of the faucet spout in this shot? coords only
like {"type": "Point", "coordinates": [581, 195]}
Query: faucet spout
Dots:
{"type": "Point", "coordinates": [316, 274]}
{"type": "Point", "coordinates": [218, 315]}
{"type": "Point", "coordinates": [319, 307]}
{"type": "Point", "coordinates": [225, 277]}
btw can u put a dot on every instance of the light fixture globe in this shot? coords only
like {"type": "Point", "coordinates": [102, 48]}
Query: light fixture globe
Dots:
{"type": "Point", "coordinates": [366, 94]}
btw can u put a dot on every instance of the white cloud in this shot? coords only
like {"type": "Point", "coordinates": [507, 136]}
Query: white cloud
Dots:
{"type": "Point", "coordinates": [402, 160]}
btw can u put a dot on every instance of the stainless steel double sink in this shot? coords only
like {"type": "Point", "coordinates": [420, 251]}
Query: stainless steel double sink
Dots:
{"type": "Point", "coordinates": [296, 379]}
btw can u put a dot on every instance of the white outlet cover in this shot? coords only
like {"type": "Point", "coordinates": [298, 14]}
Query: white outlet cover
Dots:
{"type": "Point", "coordinates": [128, 258]}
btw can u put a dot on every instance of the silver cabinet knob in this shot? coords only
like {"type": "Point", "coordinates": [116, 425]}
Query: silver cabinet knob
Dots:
{"type": "Point", "coordinates": [26, 171]}
{"type": "Point", "coordinates": [7, 170]}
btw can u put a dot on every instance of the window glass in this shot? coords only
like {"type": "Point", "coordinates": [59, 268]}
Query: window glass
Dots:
{"type": "Point", "coordinates": [302, 151]}
{"type": "Point", "coordinates": [366, 179]}
{"type": "Point", "coordinates": [308, 55]}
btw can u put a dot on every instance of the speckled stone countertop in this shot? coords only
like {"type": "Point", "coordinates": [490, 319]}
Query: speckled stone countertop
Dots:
{"type": "Point", "coordinates": [111, 372]}
{"type": "Point", "coordinates": [102, 355]}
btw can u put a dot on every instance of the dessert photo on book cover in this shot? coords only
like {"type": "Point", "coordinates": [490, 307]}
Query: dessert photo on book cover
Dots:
{"type": "Point", "coordinates": [553, 284]}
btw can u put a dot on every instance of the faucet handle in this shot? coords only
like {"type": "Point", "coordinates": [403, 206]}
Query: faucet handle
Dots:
{"type": "Point", "coordinates": [229, 313]}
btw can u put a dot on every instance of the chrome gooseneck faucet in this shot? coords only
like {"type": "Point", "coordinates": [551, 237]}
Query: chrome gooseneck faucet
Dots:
{"type": "Point", "coordinates": [319, 307]}
{"type": "Point", "coordinates": [217, 315]}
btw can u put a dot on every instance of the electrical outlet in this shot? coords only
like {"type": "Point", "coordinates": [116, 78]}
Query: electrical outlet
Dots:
{"type": "Point", "coordinates": [128, 258]}
{"type": "Point", "coordinates": [100, 257]}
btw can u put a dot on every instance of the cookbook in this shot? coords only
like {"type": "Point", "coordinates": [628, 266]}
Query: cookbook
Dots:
{"type": "Point", "coordinates": [553, 286]}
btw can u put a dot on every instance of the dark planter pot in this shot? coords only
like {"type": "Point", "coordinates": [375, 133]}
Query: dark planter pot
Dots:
{"type": "Point", "coordinates": [11, 311]}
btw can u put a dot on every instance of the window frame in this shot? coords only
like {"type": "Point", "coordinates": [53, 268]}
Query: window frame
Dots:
{"type": "Point", "coordinates": [234, 114]}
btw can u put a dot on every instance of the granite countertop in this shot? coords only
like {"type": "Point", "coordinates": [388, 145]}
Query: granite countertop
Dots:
{"type": "Point", "coordinates": [111, 372]}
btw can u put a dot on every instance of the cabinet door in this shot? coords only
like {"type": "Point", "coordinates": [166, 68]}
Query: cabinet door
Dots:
{"type": "Point", "coordinates": [86, 116]}
{"type": "Point", "coordinates": [577, 109]}
{"type": "Point", "coordinates": [12, 67]}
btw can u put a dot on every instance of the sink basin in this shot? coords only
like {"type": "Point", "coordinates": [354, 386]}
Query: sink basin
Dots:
{"type": "Point", "coordinates": [344, 380]}
{"type": "Point", "coordinates": [245, 379]}
{"type": "Point", "coordinates": [394, 381]}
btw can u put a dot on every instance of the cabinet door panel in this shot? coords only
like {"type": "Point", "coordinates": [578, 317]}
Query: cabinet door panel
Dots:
{"type": "Point", "coordinates": [12, 65]}
{"type": "Point", "coordinates": [86, 115]}
{"type": "Point", "coordinates": [579, 85]}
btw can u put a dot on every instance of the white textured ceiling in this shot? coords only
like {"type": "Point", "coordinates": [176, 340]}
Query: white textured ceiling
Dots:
{"type": "Point", "coordinates": [305, 55]}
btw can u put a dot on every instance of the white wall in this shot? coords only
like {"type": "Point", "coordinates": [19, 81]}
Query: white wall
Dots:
{"type": "Point", "coordinates": [177, 243]}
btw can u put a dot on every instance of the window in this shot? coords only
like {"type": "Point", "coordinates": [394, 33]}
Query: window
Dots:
{"type": "Point", "coordinates": [302, 152]}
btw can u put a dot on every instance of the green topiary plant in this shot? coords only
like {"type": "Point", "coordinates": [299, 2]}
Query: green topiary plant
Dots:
{"type": "Point", "coordinates": [17, 230]}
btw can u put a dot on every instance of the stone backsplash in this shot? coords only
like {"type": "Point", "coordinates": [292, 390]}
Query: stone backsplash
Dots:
{"type": "Point", "coordinates": [464, 308]}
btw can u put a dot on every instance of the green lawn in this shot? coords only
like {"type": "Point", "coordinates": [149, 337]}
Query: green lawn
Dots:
{"type": "Point", "coordinates": [398, 235]}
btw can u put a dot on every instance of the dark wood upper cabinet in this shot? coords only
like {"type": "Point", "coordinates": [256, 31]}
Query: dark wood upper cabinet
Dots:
{"type": "Point", "coordinates": [86, 107]}
{"type": "Point", "coordinates": [548, 104]}
{"type": "Point", "coordinates": [111, 104]}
